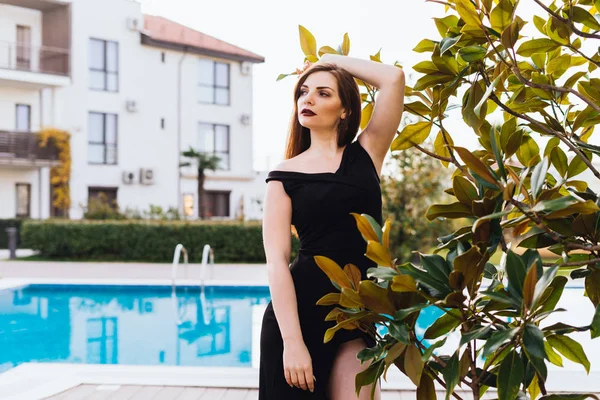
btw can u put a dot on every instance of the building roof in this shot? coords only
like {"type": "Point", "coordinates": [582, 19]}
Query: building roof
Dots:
{"type": "Point", "coordinates": [161, 32]}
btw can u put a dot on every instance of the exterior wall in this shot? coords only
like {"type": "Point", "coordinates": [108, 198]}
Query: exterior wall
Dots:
{"type": "Point", "coordinates": [10, 17]}
{"type": "Point", "coordinates": [141, 141]}
{"type": "Point", "coordinates": [9, 98]}
{"type": "Point", "coordinates": [9, 177]}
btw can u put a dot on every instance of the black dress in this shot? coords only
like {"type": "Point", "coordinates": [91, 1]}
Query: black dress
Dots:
{"type": "Point", "coordinates": [321, 207]}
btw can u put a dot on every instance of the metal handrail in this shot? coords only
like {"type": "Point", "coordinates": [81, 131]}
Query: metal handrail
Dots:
{"type": "Point", "coordinates": [207, 256]}
{"type": "Point", "coordinates": [207, 252]}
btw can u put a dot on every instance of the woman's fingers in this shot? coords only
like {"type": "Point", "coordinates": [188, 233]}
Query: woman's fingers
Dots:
{"type": "Point", "coordinates": [301, 379]}
{"type": "Point", "coordinates": [294, 377]}
{"type": "Point", "coordinates": [310, 380]}
{"type": "Point", "coordinates": [288, 377]}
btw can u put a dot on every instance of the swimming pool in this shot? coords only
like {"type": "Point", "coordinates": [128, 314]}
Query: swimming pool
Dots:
{"type": "Point", "coordinates": [151, 325]}
{"type": "Point", "coordinates": [134, 325]}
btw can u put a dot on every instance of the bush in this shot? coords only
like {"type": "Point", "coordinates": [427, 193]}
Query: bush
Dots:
{"type": "Point", "coordinates": [9, 223]}
{"type": "Point", "coordinates": [152, 241]}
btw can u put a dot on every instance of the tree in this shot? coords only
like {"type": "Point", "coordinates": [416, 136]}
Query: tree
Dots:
{"type": "Point", "coordinates": [539, 87]}
{"type": "Point", "coordinates": [415, 182]}
{"type": "Point", "coordinates": [203, 161]}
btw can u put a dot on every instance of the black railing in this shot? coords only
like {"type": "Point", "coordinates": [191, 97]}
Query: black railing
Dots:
{"type": "Point", "coordinates": [25, 145]}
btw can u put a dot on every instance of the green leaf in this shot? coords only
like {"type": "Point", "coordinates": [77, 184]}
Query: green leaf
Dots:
{"type": "Point", "coordinates": [443, 324]}
{"type": "Point", "coordinates": [559, 160]}
{"type": "Point", "coordinates": [413, 365]}
{"type": "Point", "coordinates": [592, 287]}
{"type": "Point", "coordinates": [544, 282]}
{"type": "Point", "coordinates": [474, 334]}
{"type": "Point", "coordinates": [426, 389]}
{"type": "Point", "coordinates": [501, 15]}
{"type": "Point", "coordinates": [498, 339]}
{"type": "Point", "coordinates": [538, 177]}
{"type": "Point", "coordinates": [453, 210]}
{"type": "Point", "coordinates": [595, 325]}
{"type": "Point", "coordinates": [581, 15]}
{"type": "Point", "coordinates": [424, 45]}
{"type": "Point", "coordinates": [401, 314]}
{"type": "Point", "coordinates": [536, 46]}
{"type": "Point", "coordinates": [429, 351]}
{"type": "Point", "coordinates": [411, 135]}
{"type": "Point", "coordinates": [369, 375]}
{"type": "Point", "coordinates": [436, 266]}
{"type": "Point", "coordinates": [447, 43]}
{"type": "Point", "coordinates": [468, 13]}
{"type": "Point", "coordinates": [516, 271]}
{"type": "Point", "coordinates": [472, 53]}
{"type": "Point", "coordinates": [488, 92]}
{"type": "Point", "coordinates": [399, 331]}
{"type": "Point", "coordinates": [570, 349]}
{"type": "Point", "coordinates": [533, 341]}
{"type": "Point", "coordinates": [553, 356]}
{"type": "Point", "coordinates": [450, 374]}
{"type": "Point", "coordinates": [510, 376]}
{"type": "Point", "coordinates": [476, 165]}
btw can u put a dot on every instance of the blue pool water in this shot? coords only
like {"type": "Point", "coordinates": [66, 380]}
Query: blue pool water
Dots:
{"type": "Point", "coordinates": [135, 325]}
{"type": "Point", "coordinates": [150, 325]}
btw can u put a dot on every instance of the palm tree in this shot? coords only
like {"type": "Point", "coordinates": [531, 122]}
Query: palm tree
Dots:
{"type": "Point", "coordinates": [204, 161]}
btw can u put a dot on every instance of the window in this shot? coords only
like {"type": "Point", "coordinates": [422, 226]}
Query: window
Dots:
{"type": "Point", "coordinates": [108, 194]}
{"type": "Point", "coordinates": [23, 199]}
{"type": "Point", "coordinates": [213, 85]}
{"type": "Point", "coordinates": [214, 138]}
{"type": "Point", "coordinates": [102, 138]}
{"type": "Point", "coordinates": [102, 335]}
{"type": "Point", "coordinates": [23, 47]}
{"type": "Point", "coordinates": [217, 204]}
{"type": "Point", "coordinates": [188, 204]}
{"type": "Point", "coordinates": [23, 118]}
{"type": "Point", "coordinates": [104, 65]}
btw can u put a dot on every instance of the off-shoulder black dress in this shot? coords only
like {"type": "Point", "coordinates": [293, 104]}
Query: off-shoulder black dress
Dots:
{"type": "Point", "coordinates": [321, 207]}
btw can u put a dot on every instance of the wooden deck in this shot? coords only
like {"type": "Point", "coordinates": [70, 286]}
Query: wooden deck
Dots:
{"type": "Point", "coordinates": [132, 392]}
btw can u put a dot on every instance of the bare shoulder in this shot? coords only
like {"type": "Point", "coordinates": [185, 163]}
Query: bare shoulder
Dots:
{"type": "Point", "coordinates": [291, 164]}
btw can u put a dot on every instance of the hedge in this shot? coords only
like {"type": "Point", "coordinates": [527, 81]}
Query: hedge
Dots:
{"type": "Point", "coordinates": [153, 241]}
{"type": "Point", "coordinates": [9, 223]}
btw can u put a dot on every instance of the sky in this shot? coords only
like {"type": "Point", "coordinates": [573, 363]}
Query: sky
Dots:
{"type": "Point", "coordinates": [270, 28]}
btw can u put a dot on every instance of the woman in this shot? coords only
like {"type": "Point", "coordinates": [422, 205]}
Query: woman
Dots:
{"type": "Point", "coordinates": [324, 178]}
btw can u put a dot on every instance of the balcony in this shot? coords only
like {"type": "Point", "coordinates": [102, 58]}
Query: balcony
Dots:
{"type": "Point", "coordinates": [23, 149]}
{"type": "Point", "coordinates": [33, 67]}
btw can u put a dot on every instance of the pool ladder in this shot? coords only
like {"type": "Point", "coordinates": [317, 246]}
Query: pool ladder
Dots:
{"type": "Point", "coordinates": [207, 255]}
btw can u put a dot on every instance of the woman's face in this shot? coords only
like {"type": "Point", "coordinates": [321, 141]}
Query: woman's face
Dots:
{"type": "Point", "coordinates": [319, 93]}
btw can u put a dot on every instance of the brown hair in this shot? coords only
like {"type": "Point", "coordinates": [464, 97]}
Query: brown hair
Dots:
{"type": "Point", "coordinates": [298, 139]}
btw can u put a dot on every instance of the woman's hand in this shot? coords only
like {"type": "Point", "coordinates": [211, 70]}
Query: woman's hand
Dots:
{"type": "Point", "coordinates": [297, 365]}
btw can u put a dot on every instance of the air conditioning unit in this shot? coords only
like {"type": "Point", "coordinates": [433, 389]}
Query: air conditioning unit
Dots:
{"type": "Point", "coordinates": [134, 24]}
{"type": "Point", "coordinates": [245, 68]}
{"type": "Point", "coordinates": [131, 105]}
{"type": "Point", "coordinates": [246, 119]}
{"type": "Point", "coordinates": [129, 177]}
{"type": "Point", "coordinates": [146, 176]}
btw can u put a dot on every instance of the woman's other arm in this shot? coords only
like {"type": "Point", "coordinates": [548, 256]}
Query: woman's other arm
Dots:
{"type": "Point", "coordinates": [277, 220]}
{"type": "Point", "coordinates": [378, 135]}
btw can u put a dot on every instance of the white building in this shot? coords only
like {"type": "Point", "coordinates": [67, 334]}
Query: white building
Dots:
{"type": "Point", "coordinates": [133, 91]}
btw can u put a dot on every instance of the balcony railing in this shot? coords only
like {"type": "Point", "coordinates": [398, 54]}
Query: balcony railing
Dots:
{"type": "Point", "coordinates": [19, 146]}
{"type": "Point", "coordinates": [42, 59]}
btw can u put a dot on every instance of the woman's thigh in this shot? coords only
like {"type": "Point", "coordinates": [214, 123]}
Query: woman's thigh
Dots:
{"type": "Point", "coordinates": [345, 368]}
